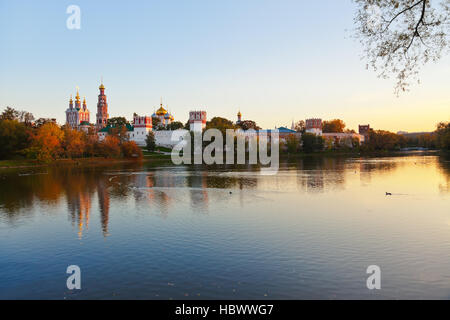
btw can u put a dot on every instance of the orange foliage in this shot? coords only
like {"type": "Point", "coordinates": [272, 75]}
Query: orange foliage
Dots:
{"type": "Point", "coordinates": [74, 143]}
{"type": "Point", "coordinates": [131, 150]}
{"type": "Point", "coordinates": [110, 147]}
{"type": "Point", "coordinates": [46, 142]}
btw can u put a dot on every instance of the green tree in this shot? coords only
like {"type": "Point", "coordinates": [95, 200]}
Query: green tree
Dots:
{"type": "Point", "coordinates": [312, 143]}
{"type": "Point", "coordinates": [221, 124]}
{"type": "Point", "coordinates": [41, 121]}
{"type": "Point", "coordinates": [156, 123]}
{"type": "Point", "coordinates": [150, 142]}
{"type": "Point", "coordinates": [14, 137]}
{"type": "Point", "coordinates": [175, 125]}
{"type": "Point", "coordinates": [248, 124]}
{"type": "Point", "coordinates": [292, 143]}
{"type": "Point", "coordinates": [117, 122]}
{"type": "Point", "coordinates": [9, 114]}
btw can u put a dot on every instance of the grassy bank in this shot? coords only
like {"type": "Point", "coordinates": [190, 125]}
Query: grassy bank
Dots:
{"type": "Point", "coordinates": [26, 163]}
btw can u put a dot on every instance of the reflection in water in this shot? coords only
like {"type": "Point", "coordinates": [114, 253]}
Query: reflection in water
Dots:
{"type": "Point", "coordinates": [19, 190]}
{"type": "Point", "coordinates": [231, 227]}
{"type": "Point", "coordinates": [444, 165]}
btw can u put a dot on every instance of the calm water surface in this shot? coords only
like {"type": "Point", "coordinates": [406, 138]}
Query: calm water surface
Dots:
{"type": "Point", "coordinates": [148, 232]}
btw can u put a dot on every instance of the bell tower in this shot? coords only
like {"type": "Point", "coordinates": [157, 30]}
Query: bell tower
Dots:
{"type": "Point", "coordinates": [102, 109]}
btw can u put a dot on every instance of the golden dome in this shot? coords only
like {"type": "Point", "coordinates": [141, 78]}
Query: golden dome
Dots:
{"type": "Point", "coordinates": [161, 111]}
{"type": "Point", "coordinates": [101, 86]}
{"type": "Point", "coordinates": [239, 114]}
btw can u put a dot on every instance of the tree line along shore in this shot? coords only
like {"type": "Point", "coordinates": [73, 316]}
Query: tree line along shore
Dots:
{"type": "Point", "coordinates": [27, 142]}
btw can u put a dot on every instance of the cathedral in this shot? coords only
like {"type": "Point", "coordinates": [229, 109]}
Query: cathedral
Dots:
{"type": "Point", "coordinates": [163, 115]}
{"type": "Point", "coordinates": [77, 117]}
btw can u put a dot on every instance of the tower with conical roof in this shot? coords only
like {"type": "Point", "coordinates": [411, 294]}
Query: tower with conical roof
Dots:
{"type": "Point", "coordinates": [102, 109]}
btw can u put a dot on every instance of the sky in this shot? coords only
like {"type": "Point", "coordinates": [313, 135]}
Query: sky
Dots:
{"type": "Point", "coordinates": [275, 61]}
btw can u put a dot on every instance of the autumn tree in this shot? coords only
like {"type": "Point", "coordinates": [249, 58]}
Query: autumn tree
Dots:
{"type": "Point", "coordinates": [131, 150]}
{"type": "Point", "coordinates": [46, 143]}
{"type": "Point", "coordinates": [74, 143]}
{"type": "Point", "coordinates": [443, 136]}
{"type": "Point", "coordinates": [333, 126]}
{"type": "Point", "coordinates": [120, 132]}
{"type": "Point", "coordinates": [110, 147]}
{"type": "Point", "coordinates": [300, 126]}
{"type": "Point", "coordinates": [381, 140]}
{"type": "Point", "coordinates": [399, 36]}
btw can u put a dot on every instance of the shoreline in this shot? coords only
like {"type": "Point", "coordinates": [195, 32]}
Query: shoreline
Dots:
{"type": "Point", "coordinates": [26, 163]}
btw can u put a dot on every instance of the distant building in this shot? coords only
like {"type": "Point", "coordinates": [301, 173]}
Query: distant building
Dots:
{"type": "Point", "coordinates": [77, 116]}
{"type": "Point", "coordinates": [314, 126]}
{"type": "Point", "coordinates": [364, 130]}
{"type": "Point", "coordinates": [197, 120]}
{"type": "Point", "coordinates": [239, 118]}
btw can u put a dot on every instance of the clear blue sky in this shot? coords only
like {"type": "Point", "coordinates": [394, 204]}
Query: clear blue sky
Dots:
{"type": "Point", "coordinates": [274, 60]}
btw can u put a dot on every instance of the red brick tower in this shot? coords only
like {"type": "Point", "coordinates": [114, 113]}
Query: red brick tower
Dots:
{"type": "Point", "coordinates": [102, 109]}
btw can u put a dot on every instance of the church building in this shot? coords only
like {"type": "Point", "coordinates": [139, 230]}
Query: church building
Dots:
{"type": "Point", "coordinates": [77, 116]}
{"type": "Point", "coordinates": [165, 118]}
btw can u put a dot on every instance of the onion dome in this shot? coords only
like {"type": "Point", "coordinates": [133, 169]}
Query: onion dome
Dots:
{"type": "Point", "coordinates": [101, 86]}
{"type": "Point", "coordinates": [167, 116]}
{"type": "Point", "coordinates": [161, 111]}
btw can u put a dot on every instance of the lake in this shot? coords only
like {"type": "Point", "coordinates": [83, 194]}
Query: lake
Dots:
{"type": "Point", "coordinates": [149, 231]}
